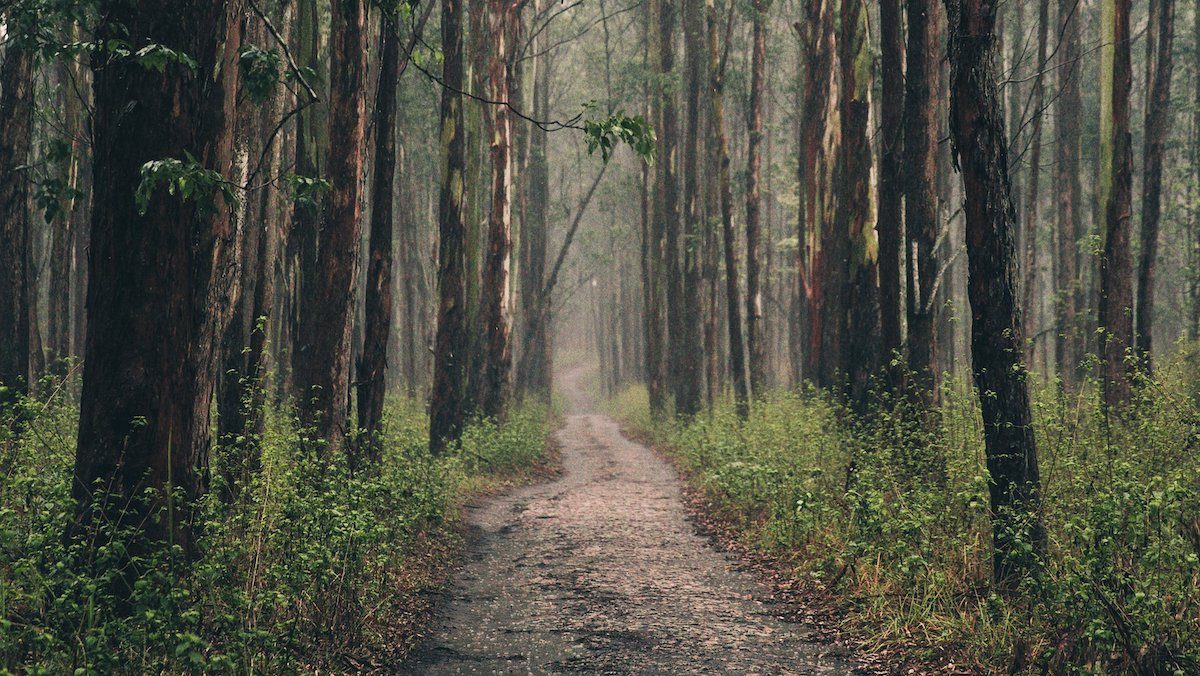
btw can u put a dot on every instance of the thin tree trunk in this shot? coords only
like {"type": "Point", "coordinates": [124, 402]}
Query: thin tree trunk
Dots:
{"type": "Point", "coordinates": [1068, 192]}
{"type": "Point", "coordinates": [1116, 187]}
{"type": "Point", "coordinates": [377, 318]}
{"type": "Point", "coordinates": [980, 147]}
{"type": "Point", "coordinates": [655, 216]}
{"type": "Point", "coordinates": [1032, 214]}
{"type": "Point", "coordinates": [755, 338]}
{"type": "Point", "coordinates": [861, 354]}
{"type": "Point", "coordinates": [16, 119]}
{"type": "Point", "coordinates": [891, 177]}
{"type": "Point", "coordinates": [446, 407]}
{"type": "Point", "coordinates": [1158, 125]}
{"type": "Point", "coordinates": [737, 357]}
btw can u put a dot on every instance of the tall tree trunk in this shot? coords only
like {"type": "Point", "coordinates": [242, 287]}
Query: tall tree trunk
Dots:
{"type": "Point", "coordinates": [737, 357]}
{"type": "Point", "coordinates": [1029, 283]}
{"type": "Point", "coordinates": [667, 203]}
{"type": "Point", "coordinates": [1158, 124]}
{"type": "Point", "coordinates": [654, 196]}
{"type": "Point", "coordinates": [755, 329]}
{"type": "Point", "coordinates": [891, 176]}
{"type": "Point", "coordinates": [450, 359]}
{"type": "Point", "coordinates": [16, 119]}
{"type": "Point", "coordinates": [860, 357]}
{"type": "Point", "coordinates": [494, 322]}
{"type": "Point", "coordinates": [377, 318]}
{"type": "Point", "coordinates": [159, 276]}
{"type": "Point", "coordinates": [325, 319]}
{"type": "Point", "coordinates": [533, 373]}
{"type": "Point", "coordinates": [58, 312]}
{"type": "Point", "coordinates": [1068, 192]}
{"type": "Point", "coordinates": [981, 150]}
{"type": "Point", "coordinates": [922, 214]}
{"type": "Point", "coordinates": [1116, 187]}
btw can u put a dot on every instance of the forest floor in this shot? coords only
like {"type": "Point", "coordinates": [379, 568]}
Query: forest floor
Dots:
{"type": "Point", "coordinates": [601, 570]}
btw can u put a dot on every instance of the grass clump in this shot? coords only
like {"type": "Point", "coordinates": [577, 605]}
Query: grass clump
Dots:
{"type": "Point", "coordinates": [309, 568]}
{"type": "Point", "coordinates": [891, 515]}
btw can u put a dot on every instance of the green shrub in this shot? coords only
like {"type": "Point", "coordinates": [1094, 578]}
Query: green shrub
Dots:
{"type": "Point", "coordinates": [308, 567]}
{"type": "Point", "coordinates": [893, 512]}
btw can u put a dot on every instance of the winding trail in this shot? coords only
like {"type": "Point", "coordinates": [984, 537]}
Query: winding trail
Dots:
{"type": "Point", "coordinates": [600, 570]}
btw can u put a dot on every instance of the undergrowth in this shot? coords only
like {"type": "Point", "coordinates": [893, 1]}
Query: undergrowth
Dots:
{"type": "Point", "coordinates": [309, 568]}
{"type": "Point", "coordinates": [892, 517]}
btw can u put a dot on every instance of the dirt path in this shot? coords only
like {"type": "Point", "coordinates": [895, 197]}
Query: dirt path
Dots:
{"type": "Point", "coordinates": [600, 571]}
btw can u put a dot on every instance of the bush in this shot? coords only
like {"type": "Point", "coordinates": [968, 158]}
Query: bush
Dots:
{"type": "Point", "coordinates": [893, 516]}
{"type": "Point", "coordinates": [308, 567]}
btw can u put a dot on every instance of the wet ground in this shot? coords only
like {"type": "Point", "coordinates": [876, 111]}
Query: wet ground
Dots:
{"type": "Point", "coordinates": [600, 570]}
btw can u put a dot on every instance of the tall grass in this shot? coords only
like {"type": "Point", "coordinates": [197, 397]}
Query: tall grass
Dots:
{"type": "Point", "coordinates": [309, 568]}
{"type": "Point", "coordinates": [892, 516]}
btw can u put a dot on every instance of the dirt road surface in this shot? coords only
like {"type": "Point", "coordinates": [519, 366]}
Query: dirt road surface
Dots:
{"type": "Point", "coordinates": [600, 571]}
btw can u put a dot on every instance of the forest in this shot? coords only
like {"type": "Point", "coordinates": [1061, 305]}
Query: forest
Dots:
{"type": "Point", "coordinates": [603, 336]}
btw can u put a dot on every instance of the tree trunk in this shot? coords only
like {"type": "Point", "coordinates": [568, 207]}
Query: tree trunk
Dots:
{"type": "Point", "coordinates": [1158, 124]}
{"type": "Point", "coordinates": [534, 371]}
{"type": "Point", "coordinates": [16, 119]}
{"type": "Point", "coordinates": [737, 357]}
{"type": "Point", "coordinates": [325, 319]}
{"type": "Point", "coordinates": [891, 177]}
{"type": "Point", "coordinates": [755, 334]}
{"type": "Point", "coordinates": [980, 148]}
{"type": "Point", "coordinates": [860, 357]}
{"type": "Point", "coordinates": [494, 322]}
{"type": "Point", "coordinates": [1032, 214]}
{"type": "Point", "coordinates": [1068, 191]}
{"type": "Point", "coordinates": [922, 214]}
{"type": "Point", "coordinates": [655, 213]}
{"type": "Point", "coordinates": [377, 318]}
{"type": "Point", "coordinates": [450, 359]}
{"type": "Point", "coordinates": [1116, 187]}
{"type": "Point", "coordinates": [159, 277]}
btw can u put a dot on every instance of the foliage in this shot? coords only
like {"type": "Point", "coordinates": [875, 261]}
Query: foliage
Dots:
{"type": "Point", "coordinates": [187, 178]}
{"type": "Point", "coordinates": [260, 71]}
{"type": "Point", "coordinates": [308, 567]}
{"type": "Point", "coordinates": [606, 133]}
{"type": "Point", "coordinates": [892, 515]}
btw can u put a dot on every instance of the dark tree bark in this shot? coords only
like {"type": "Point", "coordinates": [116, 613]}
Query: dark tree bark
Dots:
{"type": "Point", "coordinates": [58, 310]}
{"type": "Point", "coordinates": [16, 118]}
{"type": "Point", "coordinates": [980, 148]}
{"type": "Point", "coordinates": [324, 339]}
{"type": "Point", "coordinates": [1068, 192]}
{"type": "Point", "coordinates": [922, 214]}
{"type": "Point", "coordinates": [159, 279]}
{"type": "Point", "coordinates": [861, 356]}
{"type": "Point", "coordinates": [306, 218]}
{"type": "Point", "coordinates": [755, 329]}
{"type": "Point", "coordinates": [891, 176]}
{"type": "Point", "coordinates": [450, 359]}
{"type": "Point", "coordinates": [377, 318]}
{"type": "Point", "coordinates": [1158, 126]}
{"type": "Point", "coordinates": [655, 195]}
{"type": "Point", "coordinates": [1116, 188]}
{"type": "Point", "coordinates": [737, 356]}
{"type": "Point", "coordinates": [818, 280]}
{"type": "Point", "coordinates": [494, 322]}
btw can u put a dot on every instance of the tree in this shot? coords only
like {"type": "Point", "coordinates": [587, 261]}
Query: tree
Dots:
{"type": "Point", "coordinates": [1115, 192]}
{"type": "Point", "coordinates": [889, 214]}
{"type": "Point", "coordinates": [922, 215]}
{"type": "Point", "coordinates": [324, 336]}
{"type": "Point", "coordinates": [1068, 192]}
{"type": "Point", "coordinates": [16, 115]}
{"type": "Point", "coordinates": [737, 356]}
{"type": "Point", "coordinates": [1159, 65]}
{"type": "Point", "coordinates": [980, 147]}
{"type": "Point", "coordinates": [377, 317]}
{"type": "Point", "coordinates": [1032, 201]}
{"type": "Point", "coordinates": [160, 265]}
{"type": "Point", "coordinates": [450, 359]}
{"type": "Point", "coordinates": [755, 329]}
{"type": "Point", "coordinates": [860, 356]}
{"type": "Point", "coordinates": [494, 322]}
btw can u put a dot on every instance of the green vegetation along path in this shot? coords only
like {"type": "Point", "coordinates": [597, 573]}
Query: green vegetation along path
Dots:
{"type": "Point", "coordinates": [600, 570]}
